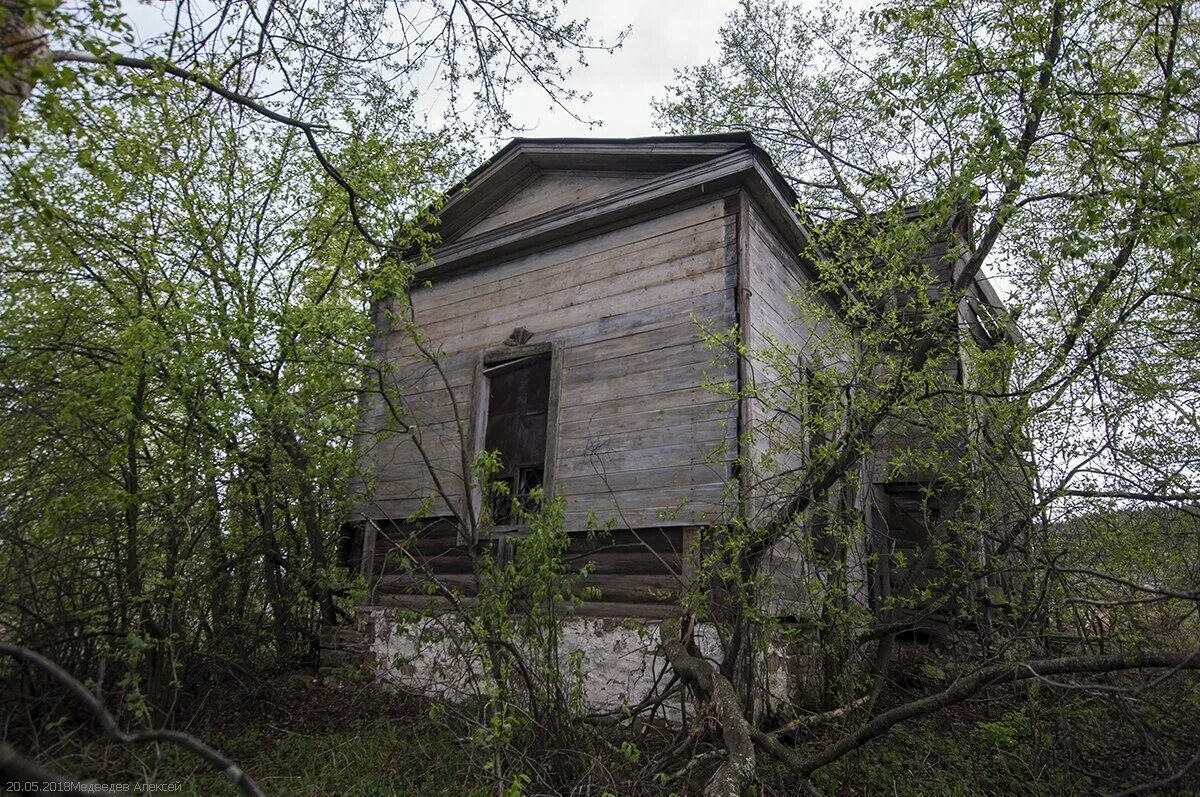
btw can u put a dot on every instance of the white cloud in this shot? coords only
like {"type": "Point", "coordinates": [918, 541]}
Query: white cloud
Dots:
{"type": "Point", "coordinates": [665, 36]}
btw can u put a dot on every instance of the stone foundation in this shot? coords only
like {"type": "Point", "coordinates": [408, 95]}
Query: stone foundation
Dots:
{"type": "Point", "coordinates": [621, 663]}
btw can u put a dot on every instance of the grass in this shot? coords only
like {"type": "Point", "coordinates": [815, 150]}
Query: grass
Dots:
{"type": "Point", "coordinates": [362, 742]}
{"type": "Point", "coordinates": [301, 742]}
{"type": "Point", "coordinates": [1030, 741]}
{"type": "Point", "coordinates": [371, 760]}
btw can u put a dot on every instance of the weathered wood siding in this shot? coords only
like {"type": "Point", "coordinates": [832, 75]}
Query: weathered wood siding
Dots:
{"type": "Point", "coordinates": [552, 190]}
{"type": "Point", "coordinates": [789, 327]}
{"type": "Point", "coordinates": [639, 433]}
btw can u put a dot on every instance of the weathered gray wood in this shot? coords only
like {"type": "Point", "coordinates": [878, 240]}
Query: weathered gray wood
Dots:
{"type": "Point", "coordinates": [632, 568]}
{"type": "Point", "coordinates": [656, 539]}
{"type": "Point", "coordinates": [676, 457]}
{"type": "Point", "coordinates": [414, 376]}
{"type": "Point", "coordinates": [646, 430]}
{"type": "Point", "coordinates": [615, 269]}
{"type": "Point", "coordinates": [634, 563]}
{"type": "Point", "coordinates": [697, 408]}
{"type": "Point", "coordinates": [682, 332]}
{"type": "Point", "coordinates": [693, 353]}
{"type": "Point", "coordinates": [689, 376]}
{"type": "Point", "coordinates": [433, 604]}
{"type": "Point", "coordinates": [523, 160]}
{"type": "Point", "coordinates": [691, 397]}
{"type": "Point", "coordinates": [646, 610]}
{"type": "Point", "coordinates": [550, 475]}
{"type": "Point", "coordinates": [624, 588]}
{"type": "Point", "coordinates": [737, 264]}
{"type": "Point", "coordinates": [602, 255]}
{"type": "Point", "coordinates": [404, 505]}
{"type": "Point", "coordinates": [684, 186]}
{"type": "Point", "coordinates": [618, 307]}
{"type": "Point", "coordinates": [369, 533]}
{"type": "Point", "coordinates": [713, 307]}
{"type": "Point", "coordinates": [610, 336]}
{"type": "Point", "coordinates": [454, 562]}
{"type": "Point", "coordinates": [421, 584]}
{"type": "Point", "coordinates": [785, 317]}
{"type": "Point", "coordinates": [775, 321]}
{"type": "Point", "coordinates": [666, 507]}
{"type": "Point", "coordinates": [552, 190]}
{"type": "Point", "coordinates": [566, 304]}
{"type": "Point", "coordinates": [506, 173]}
{"type": "Point", "coordinates": [583, 481]}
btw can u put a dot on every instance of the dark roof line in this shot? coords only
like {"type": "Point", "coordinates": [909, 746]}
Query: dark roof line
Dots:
{"type": "Point", "coordinates": [733, 137]}
{"type": "Point", "coordinates": [742, 137]}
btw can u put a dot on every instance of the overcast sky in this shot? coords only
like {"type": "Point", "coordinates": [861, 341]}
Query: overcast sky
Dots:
{"type": "Point", "coordinates": [665, 36]}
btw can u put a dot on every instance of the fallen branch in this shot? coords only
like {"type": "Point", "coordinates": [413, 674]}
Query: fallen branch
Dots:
{"type": "Point", "coordinates": [1007, 672]}
{"type": "Point", "coordinates": [735, 773]}
{"type": "Point", "coordinates": [813, 719]}
{"type": "Point", "coordinates": [693, 762]}
{"type": "Point", "coordinates": [108, 724]}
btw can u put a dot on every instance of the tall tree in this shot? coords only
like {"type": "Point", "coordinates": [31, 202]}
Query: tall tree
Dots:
{"type": "Point", "coordinates": [198, 210]}
{"type": "Point", "coordinates": [1065, 134]}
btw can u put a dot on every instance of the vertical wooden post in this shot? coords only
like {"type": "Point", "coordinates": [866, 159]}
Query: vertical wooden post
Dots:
{"type": "Point", "coordinates": [367, 566]}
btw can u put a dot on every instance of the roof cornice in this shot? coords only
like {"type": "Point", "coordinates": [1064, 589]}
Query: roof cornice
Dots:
{"type": "Point", "coordinates": [721, 164]}
{"type": "Point", "coordinates": [694, 169]}
{"type": "Point", "coordinates": [518, 163]}
{"type": "Point", "coordinates": [705, 180]}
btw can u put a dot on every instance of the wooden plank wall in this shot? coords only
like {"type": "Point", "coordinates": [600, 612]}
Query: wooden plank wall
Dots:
{"type": "Point", "coordinates": [552, 190]}
{"type": "Point", "coordinates": [639, 433]}
{"type": "Point", "coordinates": [786, 322]}
{"type": "Point", "coordinates": [903, 434]}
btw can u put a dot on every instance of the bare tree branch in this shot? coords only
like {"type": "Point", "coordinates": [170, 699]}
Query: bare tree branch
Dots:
{"type": "Point", "coordinates": [1007, 672]}
{"type": "Point", "coordinates": [735, 774]}
{"type": "Point", "coordinates": [108, 724]}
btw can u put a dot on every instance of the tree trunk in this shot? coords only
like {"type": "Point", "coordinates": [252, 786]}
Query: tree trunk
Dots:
{"type": "Point", "coordinates": [22, 46]}
{"type": "Point", "coordinates": [734, 776]}
{"type": "Point", "coordinates": [272, 578]}
{"type": "Point", "coordinates": [310, 517]}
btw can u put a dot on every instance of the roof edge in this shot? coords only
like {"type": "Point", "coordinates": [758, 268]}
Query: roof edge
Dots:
{"type": "Point", "coordinates": [739, 137]}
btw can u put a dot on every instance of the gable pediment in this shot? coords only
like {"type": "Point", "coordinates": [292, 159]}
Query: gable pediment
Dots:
{"type": "Point", "coordinates": [533, 177]}
{"type": "Point", "coordinates": [551, 190]}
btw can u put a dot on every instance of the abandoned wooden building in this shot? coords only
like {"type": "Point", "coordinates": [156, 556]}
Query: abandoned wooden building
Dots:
{"type": "Point", "coordinates": [567, 320]}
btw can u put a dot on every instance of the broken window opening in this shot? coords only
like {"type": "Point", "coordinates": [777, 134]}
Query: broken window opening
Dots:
{"type": "Point", "coordinates": [517, 416]}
